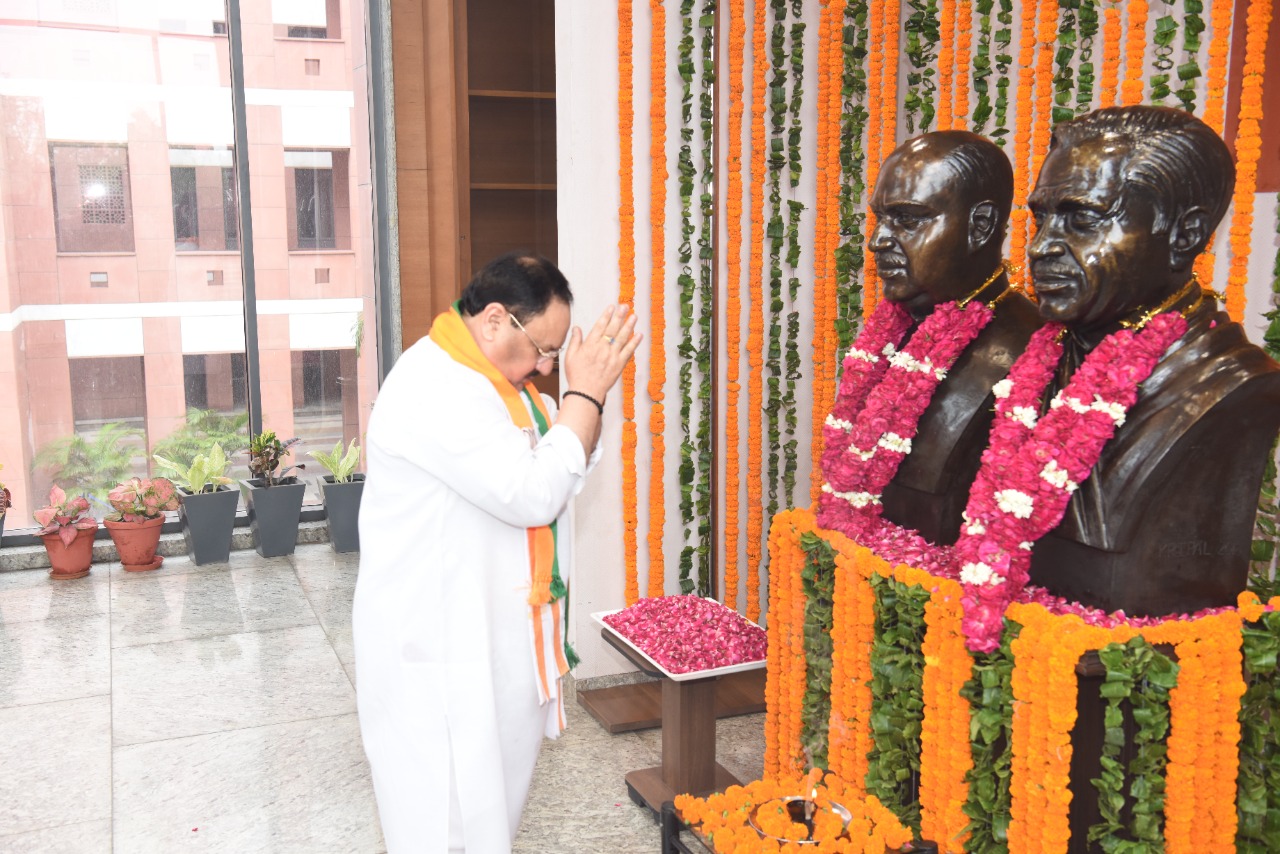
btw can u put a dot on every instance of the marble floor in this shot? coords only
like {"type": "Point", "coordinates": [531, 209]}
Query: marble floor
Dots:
{"type": "Point", "coordinates": [212, 709]}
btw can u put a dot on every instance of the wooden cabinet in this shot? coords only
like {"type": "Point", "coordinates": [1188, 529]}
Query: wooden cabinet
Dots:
{"type": "Point", "coordinates": [510, 130]}
{"type": "Point", "coordinates": [475, 142]}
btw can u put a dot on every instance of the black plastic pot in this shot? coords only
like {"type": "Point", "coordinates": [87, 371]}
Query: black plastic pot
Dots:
{"type": "Point", "coordinates": [273, 515]}
{"type": "Point", "coordinates": [342, 508]}
{"type": "Point", "coordinates": [207, 521]}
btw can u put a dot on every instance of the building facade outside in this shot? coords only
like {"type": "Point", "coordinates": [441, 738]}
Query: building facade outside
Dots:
{"type": "Point", "coordinates": [121, 288]}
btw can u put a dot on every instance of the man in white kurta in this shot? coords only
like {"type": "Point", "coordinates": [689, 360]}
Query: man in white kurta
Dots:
{"type": "Point", "coordinates": [446, 681]}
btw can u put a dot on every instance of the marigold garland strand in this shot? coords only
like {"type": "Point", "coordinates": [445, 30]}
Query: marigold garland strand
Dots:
{"type": "Point", "coordinates": [1248, 150]}
{"type": "Point", "coordinates": [1109, 82]}
{"type": "Point", "coordinates": [1221, 22]}
{"type": "Point", "coordinates": [1134, 53]}
{"type": "Point", "coordinates": [946, 63]}
{"type": "Point", "coordinates": [1020, 219]}
{"type": "Point", "coordinates": [733, 300]}
{"type": "Point", "coordinates": [1046, 38]}
{"type": "Point", "coordinates": [755, 320]}
{"type": "Point", "coordinates": [964, 58]}
{"type": "Point", "coordinates": [826, 231]}
{"type": "Point", "coordinates": [626, 291]}
{"type": "Point", "coordinates": [875, 101]}
{"type": "Point", "coordinates": [657, 290]}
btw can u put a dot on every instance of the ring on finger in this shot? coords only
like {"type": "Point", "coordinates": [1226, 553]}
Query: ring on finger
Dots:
{"type": "Point", "coordinates": [608, 339]}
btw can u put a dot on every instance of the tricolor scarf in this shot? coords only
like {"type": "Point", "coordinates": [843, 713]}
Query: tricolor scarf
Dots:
{"type": "Point", "coordinates": [551, 654]}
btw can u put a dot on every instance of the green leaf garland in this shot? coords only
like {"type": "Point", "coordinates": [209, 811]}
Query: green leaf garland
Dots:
{"type": "Point", "coordinates": [779, 106]}
{"type": "Point", "coordinates": [819, 580]}
{"type": "Point", "coordinates": [853, 122]}
{"type": "Point", "coordinates": [990, 695]}
{"type": "Point", "coordinates": [1189, 71]}
{"type": "Point", "coordinates": [1258, 782]}
{"type": "Point", "coordinates": [922, 43]}
{"type": "Point", "coordinates": [1165, 35]}
{"type": "Point", "coordinates": [897, 697]}
{"type": "Point", "coordinates": [1087, 17]}
{"type": "Point", "coordinates": [706, 281]}
{"type": "Point", "coordinates": [1064, 76]}
{"type": "Point", "coordinates": [1131, 798]}
{"type": "Point", "coordinates": [1004, 60]}
{"type": "Point", "coordinates": [688, 284]}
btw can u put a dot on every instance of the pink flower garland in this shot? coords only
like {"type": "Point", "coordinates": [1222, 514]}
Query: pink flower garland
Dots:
{"type": "Point", "coordinates": [1032, 464]}
{"type": "Point", "coordinates": [883, 394]}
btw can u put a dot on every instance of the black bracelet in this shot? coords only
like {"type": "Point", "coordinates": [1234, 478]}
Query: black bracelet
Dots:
{"type": "Point", "coordinates": [585, 396]}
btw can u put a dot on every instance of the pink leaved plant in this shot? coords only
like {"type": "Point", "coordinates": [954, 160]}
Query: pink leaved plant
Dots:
{"type": "Point", "coordinates": [139, 499]}
{"type": "Point", "coordinates": [65, 517]}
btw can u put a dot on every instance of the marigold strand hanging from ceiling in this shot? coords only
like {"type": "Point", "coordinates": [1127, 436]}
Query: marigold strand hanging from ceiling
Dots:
{"type": "Point", "coordinates": [1135, 50]}
{"type": "Point", "coordinates": [946, 63]}
{"type": "Point", "coordinates": [755, 320]}
{"type": "Point", "coordinates": [627, 288]}
{"type": "Point", "coordinates": [1222, 21]}
{"type": "Point", "coordinates": [960, 77]}
{"type": "Point", "coordinates": [733, 302]}
{"type": "Point", "coordinates": [875, 86]}
{"type": "Point", "coordinates": [825, 223]}
{"type": "Point", "coordinates": [1112, 36]}
{"type": "Point", "coordinates": [657, 290]}
{"type": "Point", "coordinates": [1022, 135]}
{"type": "Point", "coordinates": [1248, 150]}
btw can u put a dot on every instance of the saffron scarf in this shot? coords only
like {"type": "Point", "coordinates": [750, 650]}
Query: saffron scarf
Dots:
{"type": "Point", "coordinates": [551, 655]}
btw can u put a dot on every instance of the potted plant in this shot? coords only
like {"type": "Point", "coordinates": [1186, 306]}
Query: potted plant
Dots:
{"type": "Point", "coordinates": [207, 507]}
{"type": "Point", "coordinates": [342, 489]}
{"type": "Point", "coordinates": [67, 530]}
{"type": "Point", "coordinates": [138, 507]}
{"type": "Point", "coordinates": [6, 501]}
{"type": "Point", "coordinates": [273, 496]}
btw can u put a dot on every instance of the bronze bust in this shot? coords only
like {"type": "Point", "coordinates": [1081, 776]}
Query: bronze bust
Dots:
{"type": "Point", "coordinates": [941, 204]}
{"type": "Point", "coordinates": [1126, 199]}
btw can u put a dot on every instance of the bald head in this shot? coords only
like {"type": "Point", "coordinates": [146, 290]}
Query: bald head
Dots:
{"type": "Point", "coordinates": [941, 203]}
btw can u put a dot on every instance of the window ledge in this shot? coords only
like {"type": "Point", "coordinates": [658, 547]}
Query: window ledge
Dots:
{"type": "Point", "coordinates": [322, 251]}
{"type": "Point", "coordinates": [62, 254]}
{"type": "Point", "coordinates": [302, 39]}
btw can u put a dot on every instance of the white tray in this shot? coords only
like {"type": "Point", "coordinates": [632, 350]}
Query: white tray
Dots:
{"type": "Point", "coordinates": [599, 616]}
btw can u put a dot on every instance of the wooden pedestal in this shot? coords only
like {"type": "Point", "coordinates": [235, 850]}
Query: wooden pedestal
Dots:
{"type": "Point", "coordinates": [687, 713]}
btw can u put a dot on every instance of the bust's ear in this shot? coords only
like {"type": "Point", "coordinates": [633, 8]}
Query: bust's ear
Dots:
{"type": "Point", "coordinates": [1188, 236]}
{"type": "Point", "coordinates": [982, 225]}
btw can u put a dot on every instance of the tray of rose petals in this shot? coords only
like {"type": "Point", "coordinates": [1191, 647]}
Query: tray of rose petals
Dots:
{"type": "Point", "coordinates": [688, 637]}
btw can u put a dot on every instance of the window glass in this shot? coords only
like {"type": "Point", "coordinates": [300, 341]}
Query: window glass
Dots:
{"type": "Point", "coordinates": [123, 310]}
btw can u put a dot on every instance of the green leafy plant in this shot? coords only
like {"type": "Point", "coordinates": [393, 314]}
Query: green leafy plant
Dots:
{"type": "Point", "coordinates": [203, 429]}
{"type": "Point", "coordinates": [266, 455]}
{"type": "Point", "coordinates": [64, 516]}
{"type": "Point", "coordinates": [91, 467]}
{"type": "Point", "coordinates": [338, 464]}
{"type": "Point", "coordinates": [204, 474]}
{"type": "Point", "coordinates": [853, 121]}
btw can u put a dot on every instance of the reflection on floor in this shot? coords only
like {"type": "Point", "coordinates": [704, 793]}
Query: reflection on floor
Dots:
{"type": "Point", "coordinates": [212, 709]}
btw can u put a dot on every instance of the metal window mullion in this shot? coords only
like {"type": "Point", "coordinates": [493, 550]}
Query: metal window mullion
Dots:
{"type": "Point", "coordinates": [235, 45]}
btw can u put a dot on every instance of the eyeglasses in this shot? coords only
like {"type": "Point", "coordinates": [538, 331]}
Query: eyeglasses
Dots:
{"type": "Point", "coordinates": [543, 355]}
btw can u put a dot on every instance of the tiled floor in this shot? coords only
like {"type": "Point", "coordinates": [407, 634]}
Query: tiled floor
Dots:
{"type": "Point", "coordinates": [212, 709]}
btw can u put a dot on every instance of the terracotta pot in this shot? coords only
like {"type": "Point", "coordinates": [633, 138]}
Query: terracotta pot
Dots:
{"type": "Point", "coordinates": [136, 543]}
{"type": "Point", "coordinates": [71, 561]}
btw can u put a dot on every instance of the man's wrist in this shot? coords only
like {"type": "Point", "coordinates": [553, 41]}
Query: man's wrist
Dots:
{"type": "Point", "coordinates": [582, 394]}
